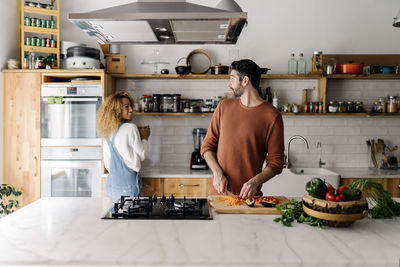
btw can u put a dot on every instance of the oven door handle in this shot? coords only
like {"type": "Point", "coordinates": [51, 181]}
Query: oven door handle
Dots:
{"type": "Point", "coordinates": [70, 163]}
{"type": "Point", "coordinates": [70, 99]}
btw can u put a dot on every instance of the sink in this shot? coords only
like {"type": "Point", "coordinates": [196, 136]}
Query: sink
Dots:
{"type": "Point", "coordinates": [292, 182]}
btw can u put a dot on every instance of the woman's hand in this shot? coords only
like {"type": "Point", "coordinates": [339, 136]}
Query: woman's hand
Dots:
{"type": "Point", "coordinates": [144, 132]}
{"type": "Point", "coordinates": [220, 182]}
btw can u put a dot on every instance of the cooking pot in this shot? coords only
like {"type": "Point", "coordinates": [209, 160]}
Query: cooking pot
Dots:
{"type": "Point", "coordinates": [350, 68]}
{"type": "Point", "coordinates": [219, 69]}
{"type": "Point", "coordinates": [182, 69]}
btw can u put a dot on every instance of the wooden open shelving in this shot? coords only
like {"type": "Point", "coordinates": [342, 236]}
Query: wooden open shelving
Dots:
{"type": "Point", "coordinates": [54, 34]}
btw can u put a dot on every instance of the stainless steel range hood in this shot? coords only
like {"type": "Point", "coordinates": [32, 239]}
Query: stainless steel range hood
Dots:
{"type": "Point", "coordinates": [163, 22]}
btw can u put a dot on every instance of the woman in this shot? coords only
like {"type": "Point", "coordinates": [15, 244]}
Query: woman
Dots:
{"type": "Point", "coordinates": [124, 146]}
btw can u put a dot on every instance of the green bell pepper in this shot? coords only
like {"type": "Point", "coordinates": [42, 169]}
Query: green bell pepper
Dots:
{"type": "Point", "coordinates": [316, 188]}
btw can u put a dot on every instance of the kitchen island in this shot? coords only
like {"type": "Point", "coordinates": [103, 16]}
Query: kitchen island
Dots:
{"type": "Point", "coordinates": [70, 231]}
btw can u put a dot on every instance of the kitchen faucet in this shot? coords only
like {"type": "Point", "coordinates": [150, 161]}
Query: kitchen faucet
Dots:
{"type": "Point", "coordinates": [287, 159]}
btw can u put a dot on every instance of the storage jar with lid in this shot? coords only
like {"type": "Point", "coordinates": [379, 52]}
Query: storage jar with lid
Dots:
{"type": "Point", "coordinates": [167, 103]}
{"type": "Point", "coordinates": [351, 107]}
{"type": "Point", "coordinates": [333, 106]}
{"type": "Point", "coordinates": [341, 107]}
{"type": "Point", "coordinates": [176, 98]}
{"type": "Point", "coordinates": [156, 102]}
{"type": "Point", "coordinates": [392, 105]}
{"type": "Point", "coordinates": [377, 107]}
{"type": "Point", "coordinates": [359, 106]}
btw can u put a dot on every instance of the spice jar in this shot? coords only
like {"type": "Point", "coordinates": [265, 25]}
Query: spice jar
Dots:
{"type": "Point", "coordinates": [176, 99]}
{"type": "Point", "coordinates": [341, 107]}
{"type": "Point", "coordinates": [167, 103]}
{"type": "Point", "coordinates": [332, 107]}
{"type": "Point", "coordinates": [156, 102]}
{"type": "Point", "coordinates": [392, 105]}
{"type": "Point", "coordinates": [377, 107]}
{"type": "Point", "coordinates": [351, 107]}
{"type": "Point", "coordinates": [359, 106]}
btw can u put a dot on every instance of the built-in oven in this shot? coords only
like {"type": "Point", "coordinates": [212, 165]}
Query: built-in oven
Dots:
{"type": "Point", "coordinates": [71, 171]}
{"type": "Point", "coordinates": [69, 114]}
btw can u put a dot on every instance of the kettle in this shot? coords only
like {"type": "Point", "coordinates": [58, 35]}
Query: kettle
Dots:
{"type": "Point", "coordinates": [330, 67]}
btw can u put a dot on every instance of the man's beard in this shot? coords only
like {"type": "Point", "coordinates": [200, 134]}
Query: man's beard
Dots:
{"type": "Point", "coordinates": [239, 92]}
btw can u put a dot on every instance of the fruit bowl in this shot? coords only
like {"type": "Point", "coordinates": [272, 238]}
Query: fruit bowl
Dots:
{"type": "Point", "coordinates": [335, 214]}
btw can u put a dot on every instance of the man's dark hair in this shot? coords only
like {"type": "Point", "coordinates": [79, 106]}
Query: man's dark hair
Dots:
{"type": "Point", "coordinates": [247, 67]}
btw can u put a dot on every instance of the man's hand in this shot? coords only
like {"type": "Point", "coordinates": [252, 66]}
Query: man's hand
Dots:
{"type": "Point", "coordinates": [220, 182]}
{"type": "Point", "coordinates": [249, 189]}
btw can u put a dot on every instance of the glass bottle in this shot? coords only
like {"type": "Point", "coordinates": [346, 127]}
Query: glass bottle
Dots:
{"type": "Point", "coordinates": [275, 102]}
{"type": "Point", "coordinates": [268, 95]}
{"type": "Point", "coordinates": [292, 65]}
{"type": "Point", "coordinates": [301, 65]}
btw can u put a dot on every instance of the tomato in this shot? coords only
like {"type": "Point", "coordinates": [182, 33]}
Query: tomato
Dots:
{"type": "Point", "coordinates": [343, 188]}
{"type": "Point", "coordinates": [340, 197]}
{"type": "Point", "coordinates": [331, 189]}
{"type": "Point", "coordinates": [330, 196]}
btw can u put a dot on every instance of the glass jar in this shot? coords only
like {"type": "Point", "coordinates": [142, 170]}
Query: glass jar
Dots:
{"type": "Point", "coordinates": [147, 105]}
{"type": "Point", "coordinates": [359, 106]}
{"type": "Point", "coordinates": [167, 103]}
{"type": "Point", "coordinates": [392, 105]}
{"type": "Point", "coordinates": [333, 106]}
{"type": "Point", "coordinates": [156, 102]}
{"type": "Point", "coordinates": [377, 107]}
{"type": "Point", "coordinates": [217, 99]}
{"type": "Point", "coordinates": [341, 107]}
{"type": "Point", "coordinates": [176, 103]}
{"type": "Point", "coordinates": [351, 107]}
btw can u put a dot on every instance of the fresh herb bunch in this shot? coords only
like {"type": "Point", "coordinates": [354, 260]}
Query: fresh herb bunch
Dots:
{"type": "Point", "coordinates": [292, 211]}
{"type": "Point", "coordinates": [6, 191]}
{"type": "Point", "coordinates": [383, 204]}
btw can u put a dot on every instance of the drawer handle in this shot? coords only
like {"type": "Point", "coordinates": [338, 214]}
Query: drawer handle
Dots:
{"type": "Point", "coordinates": [35, 164]}
{"type": "Point", "coordinates": [182, 185]}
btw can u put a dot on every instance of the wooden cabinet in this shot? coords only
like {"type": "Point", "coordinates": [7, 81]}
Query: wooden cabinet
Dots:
{"type": "Point", "coordinates": [392, 185]}
{"type": "Point", "coordinates": [179, 187]}
{"type": "Point", "coordinates": [190, 187]}
{"type": "Point", "coordinates": [22, 133]}
{"type": "Point", "coordinates": [153, 186]}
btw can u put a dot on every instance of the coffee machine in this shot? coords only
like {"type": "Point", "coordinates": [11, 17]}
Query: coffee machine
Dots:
{"type": "Point", "coordinates": [196, 161]}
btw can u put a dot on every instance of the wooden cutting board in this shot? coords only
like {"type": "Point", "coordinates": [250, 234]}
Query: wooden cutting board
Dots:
{"type": "Point", "coordinates": [222, 207]}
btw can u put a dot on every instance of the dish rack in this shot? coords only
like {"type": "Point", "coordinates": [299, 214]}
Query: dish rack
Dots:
{"type": "Point", "coordinates": [47, 15]}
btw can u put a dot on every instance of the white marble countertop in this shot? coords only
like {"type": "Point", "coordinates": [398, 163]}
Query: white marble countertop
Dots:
{"type": "Point", "coordinates": [69, 231]}
{"type": "Point", "coordinates": [172, 172]}
{"type": "Point", "coordinates": [359, 172]}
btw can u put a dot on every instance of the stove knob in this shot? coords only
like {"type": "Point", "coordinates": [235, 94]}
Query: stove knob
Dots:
{"type": "Point", "coordinates": [171, 198]}
{"type": "Point", "coordinates": [154, 198]}
{"type": "Point", "coordinates": [163, 199]}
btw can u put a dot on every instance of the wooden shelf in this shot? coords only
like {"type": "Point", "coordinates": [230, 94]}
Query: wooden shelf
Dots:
{"type": "Point", "coordinates": [365, 76]}
{"type": "Point", "coordinates": [211, 76]}
{"type": "Point", "coordinates": [172, 114]}
{"type": "Point", "coordinates": [40, 30]}
{"type": "Point", "coordinates": [41, 11]}
{"type": "Point", "coordinates": [40, 49]}
{"type": "Point", "coordinates": [283, 114]}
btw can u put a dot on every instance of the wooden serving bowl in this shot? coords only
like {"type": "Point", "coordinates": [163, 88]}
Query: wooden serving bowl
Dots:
{"type": "Point", "coordinates": [335, 214]}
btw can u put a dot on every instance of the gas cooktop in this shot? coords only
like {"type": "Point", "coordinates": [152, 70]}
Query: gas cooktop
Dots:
{"type": "Point", "coordinates": [160, 208]}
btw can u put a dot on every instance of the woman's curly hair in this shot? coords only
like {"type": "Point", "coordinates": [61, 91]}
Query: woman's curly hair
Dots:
{"type": "Point", "coordinates": [109, 114]}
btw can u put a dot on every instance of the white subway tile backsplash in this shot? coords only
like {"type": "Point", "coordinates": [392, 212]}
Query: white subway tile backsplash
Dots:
{"type": "Point", "coordinates": [343, 138]}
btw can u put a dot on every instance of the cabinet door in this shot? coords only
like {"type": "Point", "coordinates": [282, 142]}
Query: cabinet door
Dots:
{"type": "Point", "coordinates": [153, 186]}
{"type": "Point", "coordinates": [22, 133]}
{"type": "Point", "coordinates": [190, 187]}
{"type": "Point", "coordinates": [389, 184]}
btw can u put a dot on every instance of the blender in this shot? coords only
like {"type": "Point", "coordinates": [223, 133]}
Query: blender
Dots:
{"type": "Point", "coordinates": [196, 161]}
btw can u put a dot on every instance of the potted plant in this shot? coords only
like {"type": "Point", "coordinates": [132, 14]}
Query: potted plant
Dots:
{"type": "Point", "coordinates": [7, 204]}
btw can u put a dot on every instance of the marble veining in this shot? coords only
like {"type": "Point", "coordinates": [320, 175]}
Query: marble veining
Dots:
{"type": "Point", "coordinates": [69, 231]}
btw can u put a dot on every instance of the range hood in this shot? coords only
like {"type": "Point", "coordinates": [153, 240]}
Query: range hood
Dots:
{"type": "Point", "coordinates": [162, 22]}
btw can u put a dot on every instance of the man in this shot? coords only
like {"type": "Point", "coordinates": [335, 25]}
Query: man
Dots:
{"type": "Point", "coordinates": [243, 133]}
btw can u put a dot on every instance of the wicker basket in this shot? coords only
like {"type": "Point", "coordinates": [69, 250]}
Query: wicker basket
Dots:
{"type": "Point", "coordinates": [335, 214]}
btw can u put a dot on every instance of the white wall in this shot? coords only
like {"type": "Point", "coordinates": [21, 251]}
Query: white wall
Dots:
{"type": "Point", "coordinates": [8, 48]}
